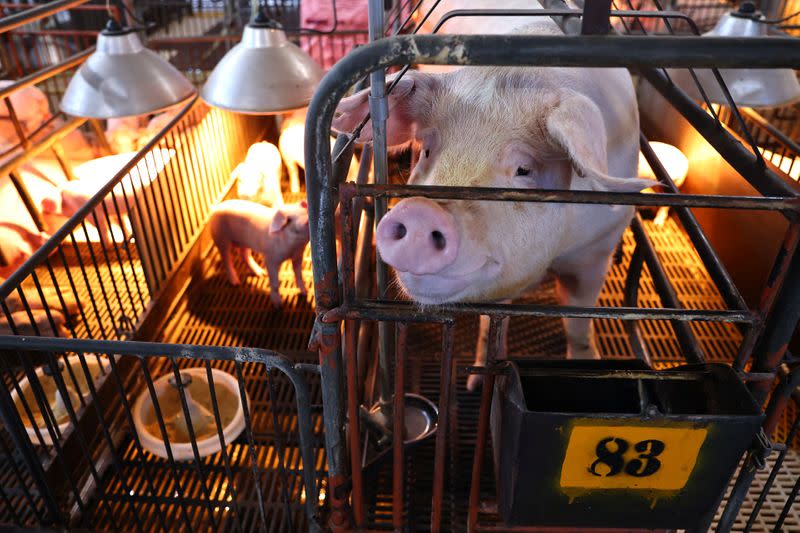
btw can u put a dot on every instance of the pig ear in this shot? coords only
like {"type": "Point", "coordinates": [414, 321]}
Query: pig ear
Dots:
{"type": "Point", "coordinates": [577, 126]}
{"type": "Point", "coordinates": [279, 221]}
{"type": "Point", "coordinates": [404, 106]}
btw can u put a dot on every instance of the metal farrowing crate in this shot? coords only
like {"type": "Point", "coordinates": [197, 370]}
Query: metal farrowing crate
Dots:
{"type": "Point", "coordinates": [445, 481]}
{"type": "Point", "coordinates": [96, 473]}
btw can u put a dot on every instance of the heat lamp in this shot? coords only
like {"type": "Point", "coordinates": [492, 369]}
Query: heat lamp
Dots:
{"type": "Point", "coordinates": [264, 74]}
{"type": "Point", "coordinates": [123, 78]}
{"type": "Point", "coordinates": [748, 87]}
{"type": "Point", "coordinates": [674, 162]}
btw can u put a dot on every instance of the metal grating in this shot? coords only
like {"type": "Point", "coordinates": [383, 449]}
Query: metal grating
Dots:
{"type": "Point", "coordinates": [216, 313]}
{"type": "Point", "coordinates": [212, 312]}
{"type": "Point", "coordinates": [215, 508]}
{"type": "Point", "coordinates": [533, 336]}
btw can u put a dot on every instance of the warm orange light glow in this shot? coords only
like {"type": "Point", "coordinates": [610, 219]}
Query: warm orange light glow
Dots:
{"type": "Point", "coordinates": [789, 165]}
{"type": "Point", "coordinates": [673, 160]}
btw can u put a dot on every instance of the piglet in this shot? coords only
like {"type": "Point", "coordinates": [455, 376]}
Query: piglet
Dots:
{"type": "Point", "coordinates": [41, 325]}
{"type": "Point", "coordinates": [258, 178]}
{"type": "Point", "coordinates": [292, 143]}
{"type": "Point", "coordinates": [278, 234]}
{"type": "Point", "coordinates": [94, 175]}
{"type": "Point", "coordinates": [17, 244]}
{"type": "Point", "coordinates": [123, 134]}
{"type": "Point", "coordinates": [31, 107]}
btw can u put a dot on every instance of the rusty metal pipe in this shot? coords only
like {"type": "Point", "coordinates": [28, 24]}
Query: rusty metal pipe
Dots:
{"type": "Point", "coordinates": [36, 13]}
{"type": "Point", "coordinates": [46, 73]}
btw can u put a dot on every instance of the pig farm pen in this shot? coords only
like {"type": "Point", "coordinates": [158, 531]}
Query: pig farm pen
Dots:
{"type": "Point", "coordinates": [299, 464]}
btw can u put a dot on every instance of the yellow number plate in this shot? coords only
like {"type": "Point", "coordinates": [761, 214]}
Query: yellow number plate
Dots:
{"type": "Point", "coordinates": [630, 457]}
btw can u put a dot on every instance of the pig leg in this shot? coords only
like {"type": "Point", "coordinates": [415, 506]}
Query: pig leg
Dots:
{"type": "Point", "coordinates": [41, 324]}
{"type": "Point", "coordinates": [103, 227]}
{"type": "Point", "coordinates": [252, 264]}
{"type": "Point", "coordinates": [581, 287]}
{"type": "Point", "coordinates": [474, 381]}
{"type": "Point", "coordinates": [294, 176]}
{"type": "Point", "coordinates": [274, 283]}
{"type": "Point", "coordinates": [225, 249]}
{"type": "Point", "coordinates": [297, 264]}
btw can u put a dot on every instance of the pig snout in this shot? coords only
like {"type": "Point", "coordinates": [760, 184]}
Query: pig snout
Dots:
{"type": "Point", "coordinates": [418, 236]}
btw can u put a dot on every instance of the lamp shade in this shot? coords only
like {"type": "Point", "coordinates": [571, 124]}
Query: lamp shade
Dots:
{"type": "Point", "coordinates": [264, 74]}
{"type": "Point", "coordinates": [748, 87]}
{"type": "Point", "coordinates": [123, 78]}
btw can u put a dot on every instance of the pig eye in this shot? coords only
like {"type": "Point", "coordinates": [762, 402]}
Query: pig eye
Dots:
{"type": "Point", "coordinates": [427, 152]}
{"type": "Point", "coordinates": [523, 171]}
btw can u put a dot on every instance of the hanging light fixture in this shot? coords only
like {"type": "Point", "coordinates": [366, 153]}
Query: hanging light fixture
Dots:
{"type": "Point", "coordinates": [748, 87]}
{"type": "Point", "coordinates": [264, 74]}
{"type": "Point", "coordinates": [123, 78]}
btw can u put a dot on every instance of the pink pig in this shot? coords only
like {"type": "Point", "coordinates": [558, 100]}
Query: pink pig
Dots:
{"type": "Point", "coordinates": [278, 234]}
{"type": "Point", "coordinates": [17, 244]}
{"type": "Point", "coordinates": [291, 145]}
{"type": "Point", "coordinates": [31, 107]}
{"type": "Point", "coordinates": [509, 127]}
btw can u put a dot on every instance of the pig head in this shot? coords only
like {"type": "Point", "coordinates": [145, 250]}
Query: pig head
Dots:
{"type": "Point", "coordinates": [258, 178]}
{"type": "Point", "coordinates": [526, 128]}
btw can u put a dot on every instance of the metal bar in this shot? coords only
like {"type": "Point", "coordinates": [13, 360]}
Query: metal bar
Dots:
{"type": "Point", "coordinates": [36, 13]}
{"type": "Point", "coordinates": [53, 137]}
{"type": "Point", "coordinates": [25, 196]}
{"type": "Point", "coordinates": [683, 331]}
{"type": "Point", "coordinates": [787, 507]}
{"type": "Point", "coordinates": [179, 488]}
{"type": "Point", "coordinates": [251, 447]}
{"type": "Point", "coordinates": [399, 433]}
{"type": "Point", "coordinates": [12, 114]}
{"type": "Point", "coordinates": [772, 475]}
{"type": "Point", "coordinates": [722, 279]}
{"type": "Point", "coordinates": [13, 425]}
{"type": "Point", "coordinates": [446, 386]}
{"type": "Point", "coordinates": [379, 111]}
{"type": "Point", "coordinates": [201, 476]}
{"type": "Point", "coordinates": [353, 423]}
{"type": "Point", "coordinates": [408, 312]}
{"type": "Point", "coordinates": [81, 214]}
{"type": "Point", "coordinates": [735, 154]}
{"type": "Point", "coordinates": [596, 14]}
{"type": "Point", "coordinates": [280, 448]}
{"type": "Point", "coordinates": [784, 139]}
{"type": "Point", "coordinates": [769, 293]}
{"type": "Point", "coordinates": [574, 196]}
{"type": "Point", "coordinates": [631, 297]}
{"type": "Point", "coordinates": [494, 348]}
{"type": "Point", "coordinates": [753, 459]}
{"type": "Point", "coordinates": [778, 327]}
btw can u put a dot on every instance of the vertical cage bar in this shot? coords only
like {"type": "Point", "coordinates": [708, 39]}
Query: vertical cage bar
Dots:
{"type": "Point", "coordinates": [494, 348]}
{"type": "Point", "coordinates": [446, 386]}
{"type": "Point", "coordinates": [350, 328]}
{"type": "Point", "coordinates": [398, 431]}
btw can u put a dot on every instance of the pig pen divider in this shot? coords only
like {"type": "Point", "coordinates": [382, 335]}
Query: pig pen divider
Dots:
{"type": "Point", "coordinates": [80, 461]}
{"type": "Point", "coordinates": [232, 491]}
{"type": "Point", "coordinates": [645, 54]}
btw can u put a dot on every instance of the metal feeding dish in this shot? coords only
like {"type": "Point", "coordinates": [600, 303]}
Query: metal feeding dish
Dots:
{"type": "Point", "coordinates": [421, 414]}
{"type": "Point", "coordinates": [196, 391]}
{"type": "Point", "coordinates": [76, 387]}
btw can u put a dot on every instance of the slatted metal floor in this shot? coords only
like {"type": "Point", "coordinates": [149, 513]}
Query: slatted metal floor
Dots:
{"type": "Point", "coordinates": [212, 312]}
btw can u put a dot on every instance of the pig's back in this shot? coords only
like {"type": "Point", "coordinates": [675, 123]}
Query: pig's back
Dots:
{"type": "Point", "coordinates": [242, 222]}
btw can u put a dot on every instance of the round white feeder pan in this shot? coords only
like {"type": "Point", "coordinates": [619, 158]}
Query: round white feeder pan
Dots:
{"type": "Point", "coordinates": [144, 415]}
{"type": "Point", "coordinates": [59, 410]}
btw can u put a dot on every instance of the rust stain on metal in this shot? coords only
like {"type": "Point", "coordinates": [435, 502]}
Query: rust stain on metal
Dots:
{"type": "Point", "coordinates": [338, 520]}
